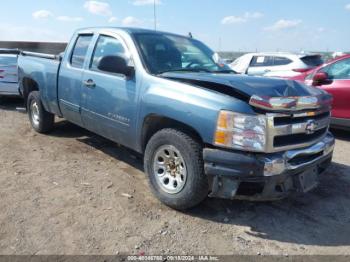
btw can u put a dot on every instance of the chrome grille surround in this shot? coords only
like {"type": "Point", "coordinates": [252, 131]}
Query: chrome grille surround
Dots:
{"type": "Point", "coordinates": [291, 104]}
{"type": "Point", "coordinates": [304, 123]}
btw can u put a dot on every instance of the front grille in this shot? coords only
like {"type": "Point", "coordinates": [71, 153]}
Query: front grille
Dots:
{"type": "Point", "coordinates": [291, 131]}
{"type": "Point", "coordinates": [287, 140]}
{"type": "Point", "coordinates": [287, 120]}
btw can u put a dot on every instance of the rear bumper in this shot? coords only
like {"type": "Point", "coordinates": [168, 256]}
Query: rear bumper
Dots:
{"type": "Point", "coordinates": [266, 176]}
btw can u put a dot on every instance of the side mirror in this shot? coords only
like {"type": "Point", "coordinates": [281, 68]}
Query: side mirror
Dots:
{"type": "Point", "coordinates": [320, 78]}
{"type": "Point", "coordinates": [115, 64]}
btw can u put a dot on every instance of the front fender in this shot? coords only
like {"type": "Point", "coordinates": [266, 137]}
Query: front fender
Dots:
{"type": "Point", "coordinates": [191, 105]}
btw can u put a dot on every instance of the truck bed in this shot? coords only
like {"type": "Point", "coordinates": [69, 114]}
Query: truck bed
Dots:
{"type": "Point", "coordinates": [43, 70]}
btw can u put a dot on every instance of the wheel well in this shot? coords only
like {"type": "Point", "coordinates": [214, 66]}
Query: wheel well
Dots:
{"type": "Point", "coordinates": [29, 85]}
{"type": "Point", "coordinates": [154, 123]}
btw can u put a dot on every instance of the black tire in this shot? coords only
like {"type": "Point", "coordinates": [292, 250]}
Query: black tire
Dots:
{"type": "Point", "coordinates": [195, 188]}
{"type": "Point", "coordinates": [45, 120]}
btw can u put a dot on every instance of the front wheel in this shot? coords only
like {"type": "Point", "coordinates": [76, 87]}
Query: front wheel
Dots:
{"type": "Point", "coordinates": [174, 164]}
{"type": "Point", "coordinates": [41, 120]}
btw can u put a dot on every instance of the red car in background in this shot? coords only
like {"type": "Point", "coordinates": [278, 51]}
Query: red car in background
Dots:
{"type": "Point", "coordinates": [333, 77]}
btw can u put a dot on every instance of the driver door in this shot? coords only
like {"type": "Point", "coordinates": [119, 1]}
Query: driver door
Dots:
{"type": "Point", "coordinates": [109, 99]}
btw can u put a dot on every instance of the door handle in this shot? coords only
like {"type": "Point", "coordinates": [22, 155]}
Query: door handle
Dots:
{"type": "Point", "coordinates": [89, 83]}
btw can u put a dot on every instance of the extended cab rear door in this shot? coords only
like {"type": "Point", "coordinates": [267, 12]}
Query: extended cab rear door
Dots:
{"type": "Point", "coordinates": [70, 78]}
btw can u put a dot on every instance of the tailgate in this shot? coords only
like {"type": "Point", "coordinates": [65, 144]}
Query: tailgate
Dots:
{"type": "Point", "coordinates": [8, 74]}
{"type": "Point", "coordinates": [8, 69]}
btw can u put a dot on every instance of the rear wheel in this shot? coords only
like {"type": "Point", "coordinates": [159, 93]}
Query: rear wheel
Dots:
{"type": "Point", "coordinates": [41, 120]}
{"type": "Point", "coordinates": [174, 165]}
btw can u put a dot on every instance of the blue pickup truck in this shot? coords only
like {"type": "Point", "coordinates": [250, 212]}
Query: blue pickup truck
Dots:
{"type": "Point", "coordinates": [203, 130]}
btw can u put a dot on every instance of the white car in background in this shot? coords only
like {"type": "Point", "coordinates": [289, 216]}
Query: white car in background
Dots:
{"type": "Point", "coordinates": [8, 73]}
{"type": "Point", "coordinates": [275, 64]}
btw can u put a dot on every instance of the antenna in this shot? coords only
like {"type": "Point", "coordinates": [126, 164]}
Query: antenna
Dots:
{"type": "Point", "coordinates": [155, 15]}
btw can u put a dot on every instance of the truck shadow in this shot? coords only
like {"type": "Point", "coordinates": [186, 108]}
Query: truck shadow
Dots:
{"type": "Point", "coordinates": [65, 129]}
{"type": "Point", "coordinates": [11, 103]}
{"type": "Point", "coordinates": [321, 217]}
{"type": "Point", "coordinates": [341, 134]}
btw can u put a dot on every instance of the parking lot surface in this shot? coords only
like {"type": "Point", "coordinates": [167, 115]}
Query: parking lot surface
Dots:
{"type": "Point", "coordinates": [73, 192]}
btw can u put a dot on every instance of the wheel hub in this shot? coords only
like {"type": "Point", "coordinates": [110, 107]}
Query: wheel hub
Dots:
{"type": "Point", "coordinates": [170, 169]}
{"type": "Point", "coordinates": [35, 113]}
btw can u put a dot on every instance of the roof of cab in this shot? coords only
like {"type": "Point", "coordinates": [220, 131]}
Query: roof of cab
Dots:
{"type": "Point", "coordinates": [130, 30]}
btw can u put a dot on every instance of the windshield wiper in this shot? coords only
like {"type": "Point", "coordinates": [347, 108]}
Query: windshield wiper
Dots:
{"type": "Point", "coordinates": [186, 70]}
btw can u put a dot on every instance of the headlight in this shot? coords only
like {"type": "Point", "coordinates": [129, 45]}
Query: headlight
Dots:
{"type": "Point", "coordinates": [239, 131]}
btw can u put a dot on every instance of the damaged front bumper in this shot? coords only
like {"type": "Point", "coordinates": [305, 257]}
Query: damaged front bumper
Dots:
{"type": "Point", "coordinates": [266, 176]}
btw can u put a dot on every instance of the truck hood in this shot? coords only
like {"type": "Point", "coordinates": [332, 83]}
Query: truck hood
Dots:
{"type": "Point", "coordinates": [247, 85]}
{"type": "Point", "coordinates": [249, 88]}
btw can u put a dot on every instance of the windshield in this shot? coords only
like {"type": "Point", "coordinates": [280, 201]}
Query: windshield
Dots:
{"type": "Point", "coordinates": [165, 53]}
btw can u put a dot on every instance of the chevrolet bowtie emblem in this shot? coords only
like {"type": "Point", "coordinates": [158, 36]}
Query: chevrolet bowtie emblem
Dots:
{"type": "Point", "coordinates": [311, 127]}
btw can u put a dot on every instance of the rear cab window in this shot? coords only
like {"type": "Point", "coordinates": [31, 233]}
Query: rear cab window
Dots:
{"type": "Point", "coordinates": [80, 50]}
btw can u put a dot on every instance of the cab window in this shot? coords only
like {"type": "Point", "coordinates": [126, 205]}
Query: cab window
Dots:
{"type": "Point", "coordinates": [80, 50]}
{"type": "Point", "coordinates": [106, 46]}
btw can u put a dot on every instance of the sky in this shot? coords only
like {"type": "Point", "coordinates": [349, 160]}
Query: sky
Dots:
{"type": "Point", "coordinates": [224, 25]}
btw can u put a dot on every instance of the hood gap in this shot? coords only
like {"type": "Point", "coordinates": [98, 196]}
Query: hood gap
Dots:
{"type": "Point", "coordinates": [220, 88]}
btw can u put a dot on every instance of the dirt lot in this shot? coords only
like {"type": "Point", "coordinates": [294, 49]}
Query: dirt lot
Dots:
{"type": "Point", "coordinates": [65, 194]}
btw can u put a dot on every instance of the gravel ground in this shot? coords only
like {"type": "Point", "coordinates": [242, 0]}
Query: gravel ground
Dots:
{"type": "Point", "coordinates": [72, 192]}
